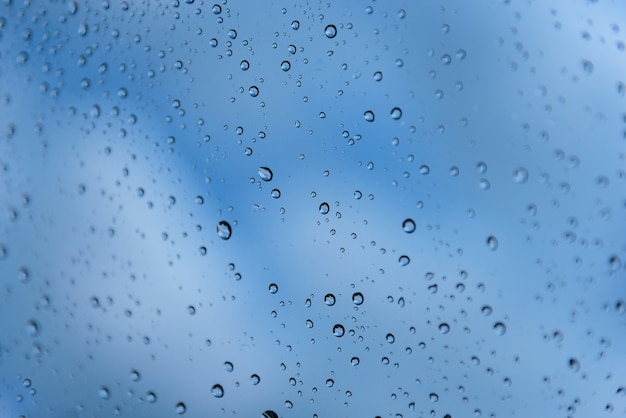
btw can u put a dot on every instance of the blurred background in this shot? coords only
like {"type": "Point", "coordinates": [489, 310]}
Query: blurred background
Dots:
{"type": "Point", "coordinates": [313, 209]}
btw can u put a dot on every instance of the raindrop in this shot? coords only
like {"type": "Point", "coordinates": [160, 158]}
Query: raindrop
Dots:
{"type": "Point", "coordinates": [285, 65]}
{"type": "Point", "coordinates": [404, 260]}
{"type": "Point", "coordinates": [295, 25]}
{"type": "Point", "coordinates": [378, 76]}
{"type": "Point", "coordinates": [224, 231]}
{"type": "Point", "coordinates": [444, 328]}
{"type": "Point", "coordinates": [265, 174]}
{"type": "Point", "coordinates": [355, 361]}
{"type": "Point", "coordinates": [32, 328]}
{"type": "Point", "coordinates": [104, 392]}
{"type": "Point", "coordinates": [228, 366]}
{"type": "Point", "coordinates": [573, 364]}
{"type": "Point", "coordinates": [369, 116]}
{"type": "Point", "coordinates": [492, 243]}
{"type": "Point", "coordinates": [180, 408]}
{"type": "Point", "coordinates": [338, 330]}
{"type": "Point", "coordinates": [390, 338]}
{"type": "Point", "coordinates": [499, 328]}
{"type": "Point", "coordinates": [217, 9]}
{"type": "Point", "coordinates": [330, 31]}
{"type": "Point", "coordinates": [433, 397]}
{"type": "Point", "coordinates": [396, 113]}
{"type": "Point", "coordinates": [253, 91]}
{"type": "Point", "coordinates": [275, 193]}
{"type": "Point", "coordinates": [191, 310]}
{"type": "Point", "coordinates": [232, 34]}
{"type": "Point", "coordinates": [588, 66]}
{"type": "Point", "coordinates": [217, 391]}
{"type": "Point", "coordinates": [408, 226]}
{"type": "Point", "coordinates": [135, 376]}
{"type": "Point", "coordinates": [357, 298]}
{"type": "Point", "coordinates": [270, 414]}
{"type": "Point", "coordinates": [244, 65]}
{"type": "Point", "coordinates": [329, 299]}
{"type": "Point", "coordinates": [151, 397]}
{"type": "Point", "coordinates": [486, 310]}
{"type": "Point", "coordinates": [255, 379]}
{"type": "Point", "coordinates": [273, 288]}
{"type": "Point", "coordinates": [330, 383]}
{"type": "Point", "coordinates": [324, 208]}
{"type": "Point", "coordinates": [520, 175]}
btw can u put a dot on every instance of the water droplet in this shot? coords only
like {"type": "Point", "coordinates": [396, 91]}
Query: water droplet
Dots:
{"type": "Point", "coordinates": [265, 174]}
{"type": "Point", "coordinates": [396, 113]}
{"type": "Point", "coordinates": [444, 328]}
{"type": "Point", "coordinates": [408, 226]}
{"type": "Point", "coordinates": [273, 288]}
{"type": "Point", "coordinates": [588, 66]}
{"type": "Point", "coordinates": [216, 9]}
{"type": "Point", "coordinates": [324, 208]}
{"type": "Point", "coordinates": [275, 193]}
{"type": "Point", "coordinates": [574, 364]}
{"type": "Point", "coordinates": [486, 310]}
{"type": "Point", "coordinates": [104, 392]}
{"type": "Point", "coordinates": [615, 263]}
{"type": "Point", "coordinates": [228, 366]}
{"type": "Point", "coordinates": [32, 328]}
{"type": "Point", "coordinates": [390, 338]}
{"type": "Point", "coordinates": [378, 76]}
{"type": "Point", "coordinates": [433, 397]}
{"type": "Point", "coordinates": [232, 34]}
{"type": "Point", "coordinates": [135, 376]}
{"type": "Point", "coordinates": [151, 397]}
{"type": "Point", "coordinates": [338, 330]}
{"type": "Point", "coordinates": [253, 91]}
{"type": "Point", "coordinates": [520, 175]}
{"type": "Point", "coordinates": [224, 231]}
{"type": "Point", "coordinates": [285, 65]}
{"type": "Point", "coordinates": [329, 299]}
{"type": "Point", "coordinates": [180, 408]}
{"type": "Point", "coordinates": [330, 383]}
{"type": "Point", "coordinates": [357, 298]}
{"type": "Point", "coordinates": [404, 260]}
{"type": "Point", "coordinates": [217, 391]}
{"type": "Point", "coordinates": [355, 361]}
{"type": "Point", "coordinates": [499, 328]}
{"type": "Point", "coordinates": [368, 116]}
{"type": "Point", "coordinates": [295, 25]}
{"type": "Point", "coordinates": [270, 414]}
{"type": "Point", "coordinates": [255, 379]}
{"type": "Point", "coordinates": [492, 243]}
{"type": "Point", "coordinates": [244, 65]}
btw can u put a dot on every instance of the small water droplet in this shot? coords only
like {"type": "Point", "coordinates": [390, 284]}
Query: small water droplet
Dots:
{"type": "Point", "coordinates": [330, 383]}
{"type": "Point", "coordinates": [396, 113]}
{"type": "Point", "coordinates": [520, 175]}
{"type": "Point", "coordinates": [180, 408]}
{"type": "Point", "coordinates": [255, 379]}
{"type": "Point", "coordinates": [295, 25]}
{"type": "Point", "coordinates": [378, 75]}
{"type": "Point", "coordinates": [265, 174]}
{"type": "Point", "coordinates": [329, 299]}
{"type": "Point", "coordinates": [324, 208]}
{"type": "Point", "coordinates": [224, 231]}
{"type": "Point", "coordinates": [408, 226]}
{"type": "Point", "coordinates": [588, 66]}
{"type": "Point", "coordinates": [433, 397]}
{"type": "Point", "coordinates": [330, 31]}
{"type": "Point", "coordinates": [244, 65]}
{"type": "Point", "coordinates": [32, 328]}
{"type": "Point", "coordinates": [338, 330]}
{"type": "Point", "coordinates": [135, 376]}
{"type": "Point", "coordinates": [404, 260]}
{"type": "Point", "coordinates": [574, 364]}
{"type": "Point", "coordinates": [151, 397]}
{"type": "Point", "coordinates": [228, 366]}
{"type": "Point", "coordinates": [273, 288]}
{"type": "Point", "coordinates": [444, 328]}
{"type": "Point", "coordinates": [486, 310]}
{"type": "Point", "coordinates": [217, 391]}
{"type": "Point", "coordinates": [104, 392]}
{"type": "Point", "coordinates": [492, 243]}
{"type": "Point", "coordinates": [499, 328]}
{"type": "Point", "coordinates": [355, 361]}
{"type": "Point", "coordinates": [270, 414]}
{"type": "Point", "coordinates": [357, 298]}
{"type": "Point", "coordinates": [253, 91]}
{"type": "Point", "coordinates": [285, 65]}
{"type": "Point", "coordinates": [368, 116]}
{"type": "Point", "coordinates": [390, 338]}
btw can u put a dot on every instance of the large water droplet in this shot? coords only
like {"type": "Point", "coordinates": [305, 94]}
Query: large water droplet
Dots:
{"type": "Point", "coordinates": [330, 31]}
{"type": "Point", "coordinates": [444, 328]}
{"type": "Point", "coordinates": [329, 299]}
{"type": "Point", "coordinates": [390, 338]}
{"type": "Point", "coordinates": [338, 330]}
{"type": "Point", "coordinates": [285, 65]}
{"type": "Point", "coordinates": [368, 116]}
{"type": "Point", "coordinates": [273, 288]}
{"type": "Point", "coordinates": [255, 379]}
{"type": "Point", "coordinates": [253, 91]}
{"type": "Point", "coordinates": [270, 414]}
{"type": "Point", "coordinates": [433, 397]}
{"type": "Point", "coordinates": [244, 65]}
{"type": "Point", "coordinates": [404, 260]}
{"type": "Point", "coordinates": [265, 174]}
{"type": "Point", "coordinates": [217, 391]}
{"type": "Point", "coordinates": [224, 231]}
